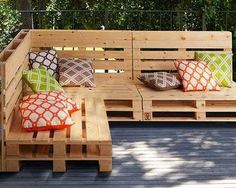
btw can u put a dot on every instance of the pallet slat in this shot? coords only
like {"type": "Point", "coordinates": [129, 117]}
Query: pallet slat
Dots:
{"type": "Point", "coordinates": [75, 38]}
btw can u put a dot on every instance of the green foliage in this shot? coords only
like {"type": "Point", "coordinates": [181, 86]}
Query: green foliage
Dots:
{"type": "Point", "coordinates": [9, 23]}
{"type": "Point", "coordinates": [120, 14]}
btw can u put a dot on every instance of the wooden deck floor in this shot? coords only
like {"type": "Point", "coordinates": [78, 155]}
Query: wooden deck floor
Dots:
{"type": "Point", "coordinates": [148, 155]}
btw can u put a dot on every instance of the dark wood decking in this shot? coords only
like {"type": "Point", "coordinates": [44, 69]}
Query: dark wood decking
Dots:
{"type": "Point", "coordinates": [172, 155]}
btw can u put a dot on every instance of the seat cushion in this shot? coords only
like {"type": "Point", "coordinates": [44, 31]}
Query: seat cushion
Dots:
{"type": "Point", "coordinates": [40, 80]}
{"type": "Point", "coordinates": [196, 76]}
{"type": "Point", "coordinates": [77, 72]}
{"type": "Point", "coordinates": [160, 80]}
{"type": "Point", "coordinates": [220, 66]}
{"type": "Point", "coordinates": [47, 59]}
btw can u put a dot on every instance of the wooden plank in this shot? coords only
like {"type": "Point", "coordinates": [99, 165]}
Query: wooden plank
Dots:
{"type": "Point", "coordinates": [12, 64]}
{"type": "Point", "coordinates": [95, 54]}
{"type": "Point", "coordinates": [43, 137]}
{"type": "Point", "coordinates": [12, 150]}
{"type": "Point", "coordinates": [76, 129]}
{"type": "Point", "coordinates": [154, 65]}
{"type": "Point", "coordinates": [11, 104]}
{"type": "Point", "coordinates": [103, 126]}
{"type": "Point", "coordinates": [59, 147]}
{"type": "Point", "coordinates": [200, 115]}
{"type": "Point", "coordinates": [76, 151]}
{"type": "Point", "coordinates": [112, 64]}
{"type": "Point", "coordinates": [116, 76]}
{"type": "Point", "coordinates": [184, 44]}
{"type": "Point", "coordinates": [59, 165]}
{"type": "Point", "coordinates": [9, 92]}
{"type": "Point", "coordinates": [182, 35]}
{"type": "Point", "coordinates": [80, 38]}
{"type": "Point", "coordinates": [164, 55]}
{"type": "Point", "coordinates": [92, 130]}
{"type": "Point", "coordinates": [105, 165]}
{"type": "Point", "coordinates": [177, 94]}
{"type": "Point", "coordinates": [97, 128]}
{"type": "Point", "coordinates": [42, 151]}
{"type": "Point", "coordinates": [12, 165]}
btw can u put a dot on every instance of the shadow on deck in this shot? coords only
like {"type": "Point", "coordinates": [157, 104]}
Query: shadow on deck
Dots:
{"type": "Point", "coordinates": [150, 155]}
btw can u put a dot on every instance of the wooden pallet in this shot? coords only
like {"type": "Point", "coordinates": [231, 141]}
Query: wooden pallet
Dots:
{"type": "Point", "coordinates": [122, 99]}
{"type": "Point", "coordinates": [176, 105]}
{"type": "Point", "coordinates": [88, 139]}
{"type": "Point", "coordinates": [110, 51]}
{"type": "Point", "coordinates": [157, 50]}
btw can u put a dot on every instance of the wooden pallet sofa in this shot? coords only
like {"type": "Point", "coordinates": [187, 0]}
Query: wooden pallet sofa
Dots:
{"type": "Point", "coordinates": [88, 139]}
{"type": "Point", "coordinates": [118, 58]}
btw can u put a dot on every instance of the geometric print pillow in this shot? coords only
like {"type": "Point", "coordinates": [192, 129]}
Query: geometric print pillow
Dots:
{"type": "Point", "coordinates": [40, 80]}
{"type": "Point", "coordinates": [76, 72]}
{"type": "Point", "coordinates": [47, 59]}
{"type": "Point", "coordinates": [160, 80]}
{"type": "Point", "coordinates": [220, 66]}
{"type": "Point", "coordinates": [54, 96]}
{"type": "Point", "coordinates": [196, 76]}
{"type": "Point", "coordinates": [41, 115]}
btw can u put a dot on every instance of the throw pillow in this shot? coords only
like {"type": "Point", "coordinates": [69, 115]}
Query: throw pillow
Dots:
{"type": "Point", "coordinates": [220, 66]}
{"type": "Point", "coordinates": [47, 59]}
{"type": "Point", "coordinates": [54, 96]}
{"type": "Point", "coordinates": [160, 80]}
{"type": "Point", "coordinates": [76, 73]}
{"type": "Point", "coordinates": [196, 76]}
{"type": "Point", "coordinates": [40, 80]}
{"type": "Point", "coordinates": [41, 115]}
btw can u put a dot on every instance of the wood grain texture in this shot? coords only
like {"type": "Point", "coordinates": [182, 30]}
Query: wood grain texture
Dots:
{"type": "Point", "coordinates": [108, 50]}
{"type": "Point", "coordinates": [157, 50]}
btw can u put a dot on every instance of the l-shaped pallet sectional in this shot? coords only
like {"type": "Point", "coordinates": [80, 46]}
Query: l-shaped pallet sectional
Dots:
{"type": "Point", "coordinates": [118, 58]}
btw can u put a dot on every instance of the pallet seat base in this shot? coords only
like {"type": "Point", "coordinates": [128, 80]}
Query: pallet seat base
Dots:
{"type": "Point", "coordinates": [88, 139]}
{"type": "Point", "coordinates": [122, 99]}
{"type": "Point", "coordinates": [176, 105]}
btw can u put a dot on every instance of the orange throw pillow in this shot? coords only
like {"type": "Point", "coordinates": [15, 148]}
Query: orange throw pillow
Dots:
{"type": "Point", "coordinates": [54, 96]}
{"type": "Point", "coordinates": [196, 76]}
{"type": "Point", "coordinates": [41, 115]}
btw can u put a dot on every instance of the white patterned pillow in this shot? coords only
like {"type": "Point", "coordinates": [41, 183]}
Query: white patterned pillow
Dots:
{"type": "Point", "coordinates": [77, 72]}
{"type": "Point", "coordinates": [47, 59]}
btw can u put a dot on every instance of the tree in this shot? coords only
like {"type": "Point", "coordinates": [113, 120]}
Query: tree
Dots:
{"type": "Point", "coordinates": [9, 23]}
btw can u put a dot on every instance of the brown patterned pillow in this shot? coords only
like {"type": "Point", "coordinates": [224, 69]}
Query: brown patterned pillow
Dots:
{"type": "Point", "coordinates": [160, 80]}
{"type": "Point", "coordinates": [77, 72]}
{"type": "Point", "coordinates": [47, 59]}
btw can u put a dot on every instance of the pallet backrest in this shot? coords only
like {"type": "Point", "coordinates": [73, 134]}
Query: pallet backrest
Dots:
{"type": "Point", "coordinates": [110, 51]}
{"type": "Point", "coordinates": [157, 50]}
{"type": "Point", "coordinates": [13, 60]}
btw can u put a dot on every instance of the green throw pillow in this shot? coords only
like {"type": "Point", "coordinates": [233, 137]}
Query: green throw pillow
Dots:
{"type": "Point", "coordinates": [40, 80]}
{"type": "Point", "coordinates": [220, 65]}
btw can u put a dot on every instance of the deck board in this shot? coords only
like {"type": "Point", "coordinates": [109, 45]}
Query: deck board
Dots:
{"type": "Point", "coordinates": [148, 155]}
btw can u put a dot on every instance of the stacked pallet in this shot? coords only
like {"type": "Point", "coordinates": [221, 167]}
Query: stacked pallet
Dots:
{"type": "Point", "coordinates": [175, 105]}
{"type": "Point", "coordinates": [88, 139]}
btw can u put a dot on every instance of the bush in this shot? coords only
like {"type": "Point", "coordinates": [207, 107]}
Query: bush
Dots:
{"type": "Point", "coordinates": [9, 24]}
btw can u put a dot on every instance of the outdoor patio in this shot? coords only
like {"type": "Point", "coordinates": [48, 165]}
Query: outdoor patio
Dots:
{"type": "Point", "coordinates": [157, 107]}
{"type": "Point", "coordinates": [150, 155]}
